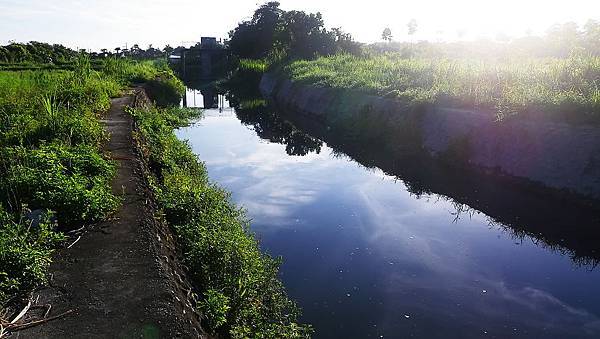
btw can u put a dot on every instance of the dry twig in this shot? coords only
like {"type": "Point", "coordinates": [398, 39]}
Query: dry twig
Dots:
{"type": "Point", "coordinates": [78, 238]}
{"type": "Point", "coordinates": [6, 327]}
{"type": "Point", "coordinates": [13, 328]}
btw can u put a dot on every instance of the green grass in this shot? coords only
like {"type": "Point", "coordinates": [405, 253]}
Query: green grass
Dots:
{"type": "Point", "coordinates": [51, 158]}
{"type": "Point", "coordinates": [241, 295]}
{"type": "Point", "coordinates": [253, 65]}
{"type": "Point", "coordinates": [24, 252]}
{"type": "Point", "coordinates": [50, 161]}
{"type": "Point", "coordinates": [567, 89]}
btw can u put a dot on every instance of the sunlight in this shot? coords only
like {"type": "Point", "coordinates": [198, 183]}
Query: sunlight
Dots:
{"type": "Point", "coordinates": [448, 20]}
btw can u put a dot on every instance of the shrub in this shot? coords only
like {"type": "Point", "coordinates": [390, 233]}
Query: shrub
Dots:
{"type": "Point", "coordinates": [74, 181]}
{"type": "Point", "coordinates": [165, 90]}
{"type": "Point", "coordinates": [25, 250]}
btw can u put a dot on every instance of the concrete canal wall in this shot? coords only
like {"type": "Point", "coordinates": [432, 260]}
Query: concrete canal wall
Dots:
{"type": "Point", "coordinates": [556, 155]}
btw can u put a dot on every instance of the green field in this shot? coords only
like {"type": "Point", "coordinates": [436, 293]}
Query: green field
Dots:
{"type": "Point", "coordinates": [565, 89]}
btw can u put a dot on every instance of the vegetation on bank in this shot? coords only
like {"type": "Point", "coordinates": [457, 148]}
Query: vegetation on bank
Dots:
{"type": "Point", "coordinates": [241, 295]}
{"type": "Point", "coordinates": [54, 176]}
{"type": "Point", "coordinates": [568, 89]}
{"type": "Point", "coordinates": [555, 76]}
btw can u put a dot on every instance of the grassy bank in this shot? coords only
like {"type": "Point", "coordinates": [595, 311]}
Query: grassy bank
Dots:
{"type": "Point", "coordinates": [54, 176]}
{"type": "Point", "coordinates": [241, 295]}
{"type": "Point", "coordinates": [565, 89]}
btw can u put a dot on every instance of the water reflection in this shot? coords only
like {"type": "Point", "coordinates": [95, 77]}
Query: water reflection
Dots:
{"type": "Point", "coordinates": [269, 126]}
{"type": "Point", "coordinates": [203, 94]}
{"type": "Point", "coordinates": [555, 222]}
{"type": "Point", "coordinates": [380, 245]}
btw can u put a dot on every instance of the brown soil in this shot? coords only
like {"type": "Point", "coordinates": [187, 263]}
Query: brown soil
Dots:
{"type": "Point", "coordinates": [122, 278]}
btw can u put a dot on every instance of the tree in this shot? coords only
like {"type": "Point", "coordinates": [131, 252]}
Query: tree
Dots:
{"type": "Point", "coordinates": [168, 50]}
{"type": "Point", "coordinates": [305, 35]}
{"type": "Point", "coordinates": [18, 53]}
{"type": "Point", "coordinates": [256, 37]}
{"type": "Point", "coordinates": [591, 36]}
{"type": "Point", "coordinates": [4, 54]}
{"type": "Point", "coordinates": [563, 38]}
{"type": "Point", "coordinates": [412, 27]}
{"type": "Point", "coordinates": [136, 51]}
{"type": "Point", "coordinates": [274, 33]}
{"type": "Point", "coordinates": [345, 43]}
{"type": "Point", "coordinates": [387, 34]}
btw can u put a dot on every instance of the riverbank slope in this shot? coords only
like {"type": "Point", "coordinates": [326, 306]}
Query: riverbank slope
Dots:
{"type": "Point", "coordinates": [563, 157]}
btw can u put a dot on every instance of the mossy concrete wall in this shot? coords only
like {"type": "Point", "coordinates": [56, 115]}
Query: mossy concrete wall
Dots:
{"type": "Point", "coordinates": [556, 155]}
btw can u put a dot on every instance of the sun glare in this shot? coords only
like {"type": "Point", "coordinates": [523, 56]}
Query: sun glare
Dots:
{"type": "Point", "coordinates": [450, 20]}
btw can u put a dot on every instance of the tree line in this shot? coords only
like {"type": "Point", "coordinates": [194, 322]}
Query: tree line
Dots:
{"type": "Point", "coordinates": [44, 53]}
{"type": "Point", "coordinates": [37, 52]}
{"type": "Point", "coordinates": [560, 40]}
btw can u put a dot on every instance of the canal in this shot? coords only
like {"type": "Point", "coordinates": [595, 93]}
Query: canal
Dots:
{"type": "Point", "coordinates": [370, 253]}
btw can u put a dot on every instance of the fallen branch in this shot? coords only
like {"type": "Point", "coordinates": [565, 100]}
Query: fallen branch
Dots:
{"type": "Point", "coordinates": [21, 314]}
{"type": "Point", "coordinates": [14, 328]}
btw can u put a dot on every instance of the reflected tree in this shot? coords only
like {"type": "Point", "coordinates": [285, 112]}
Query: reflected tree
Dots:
{"type": "Point", "coordinates": [269, 126]}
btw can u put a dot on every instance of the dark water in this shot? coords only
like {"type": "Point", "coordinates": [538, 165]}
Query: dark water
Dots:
{"type": "Point", "coordinates": [369, 255]}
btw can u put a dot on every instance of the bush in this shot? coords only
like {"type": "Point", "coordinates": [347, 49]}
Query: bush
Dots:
{"type": "Point", "coordinates": [25, 250]}
{"type": "Point", "coordinates": [165, 90]}
{"type": "Point", "coordinates": [74, 181]}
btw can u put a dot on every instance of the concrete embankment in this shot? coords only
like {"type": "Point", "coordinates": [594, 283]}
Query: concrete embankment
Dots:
{"type": "Point", "coordinates": [554, 155]}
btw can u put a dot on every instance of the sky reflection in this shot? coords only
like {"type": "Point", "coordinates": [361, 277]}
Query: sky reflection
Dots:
{"type": "Point", "coordinates": [366, 258]}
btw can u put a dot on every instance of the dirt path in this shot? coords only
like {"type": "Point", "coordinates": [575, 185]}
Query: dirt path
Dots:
{"type": "Point", "coordinates": [115, 278]}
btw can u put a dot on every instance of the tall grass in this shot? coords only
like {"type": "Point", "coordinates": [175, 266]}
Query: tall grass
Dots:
{"type": "Point", "coordinates": [253, 65]}
{"type": "Point", "coordinates": [127, 71]}
{"type": "Point", "coordinates": [569, 88]}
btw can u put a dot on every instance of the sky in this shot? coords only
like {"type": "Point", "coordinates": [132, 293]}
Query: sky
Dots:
{"type": "Point", "coordinates": [95, 24]}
